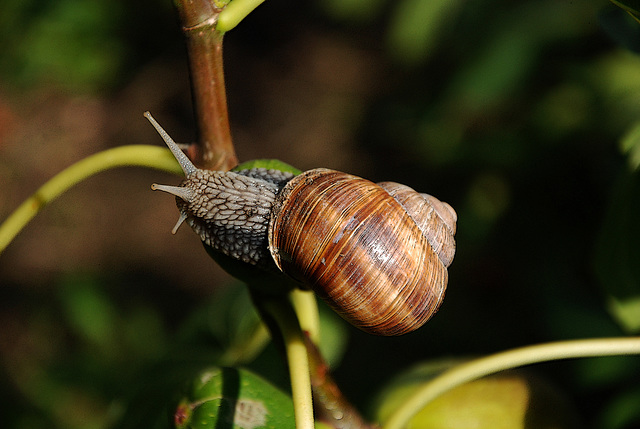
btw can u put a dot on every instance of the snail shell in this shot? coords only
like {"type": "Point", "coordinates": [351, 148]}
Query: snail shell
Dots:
{"type": "Point", "coordinates": [377, 253]}
{"type": "Point", "coordinates": [361, 251]}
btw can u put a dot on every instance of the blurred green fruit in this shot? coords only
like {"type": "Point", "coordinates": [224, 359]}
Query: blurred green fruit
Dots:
{"type": "Point", "coordinates": [509, 400]}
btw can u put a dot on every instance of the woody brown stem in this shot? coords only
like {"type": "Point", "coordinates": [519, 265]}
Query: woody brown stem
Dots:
{"type": "Point", "coordinates": [330, 405]}
{"type": "Point", "coordinates": [204, 44]}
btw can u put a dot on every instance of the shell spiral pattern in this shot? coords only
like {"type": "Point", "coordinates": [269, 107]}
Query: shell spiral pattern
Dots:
{"type": "Point", "coordinates": [357, 246]}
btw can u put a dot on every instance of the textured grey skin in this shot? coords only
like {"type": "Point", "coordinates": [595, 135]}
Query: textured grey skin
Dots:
{"type": "Point", "coordinates": [276, 177]}
{"type": "Point", "coordinates": [230, 212]}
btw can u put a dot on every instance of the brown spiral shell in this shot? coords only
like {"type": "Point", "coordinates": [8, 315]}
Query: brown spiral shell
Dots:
{"type": "Point", "coordinates": [359, 248]}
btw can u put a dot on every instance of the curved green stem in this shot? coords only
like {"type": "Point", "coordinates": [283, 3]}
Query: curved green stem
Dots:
{"type": "Point", "coordinates": [507, 360]}
{"type": "Point", "coordinates": [234, 12]}
{"type": "Point", "coordinates": [134, 155]}
{"type": "Point", "coordinates": [306, 308]}
{"type": "Point", "coordinates": [297, 359]}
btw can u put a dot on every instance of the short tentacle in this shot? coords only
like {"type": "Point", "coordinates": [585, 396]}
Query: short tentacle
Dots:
{"type": "Point", "coordinates": [181, 219]}
{"type": "Point", "coordinates": [182, 192]}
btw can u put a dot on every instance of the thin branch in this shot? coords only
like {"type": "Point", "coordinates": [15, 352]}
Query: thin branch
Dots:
{"type": "Point", "coordinates": [204, 43]}
{"type": "Point", "coordinates": [135, 155]}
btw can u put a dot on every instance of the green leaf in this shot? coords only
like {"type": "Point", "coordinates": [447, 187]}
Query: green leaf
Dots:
{"type": "Point", "coordinates": [269, 164]}
{"type": "Point", "coordinates": [618, 252]}
{"type": "Point", "coordinates": [75, 44]}
{"type": "Point", "coordinates": [417, 25]}
{"type": "Point", "coordinates": [622, 411]}
{"type": "Point", "coordinates": [234, 398]}
{"type": "Point", "coordinates": [89, 311]}
{"type": "Point", "coordinates": [334, 335]}
{"type": "Point", "coordinates": [235, 324]}
{"type": "Point", "coordinates": [353, 10]}
{"type": "Point", "coordinates": [630, 144]}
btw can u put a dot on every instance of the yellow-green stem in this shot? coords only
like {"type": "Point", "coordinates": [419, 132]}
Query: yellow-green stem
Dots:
{"type": "Point", "coordinates": [306, 308]}
{"type": "Point", "coordinates": [134, 155]}
{"type": "Point", "coordinates": [506, 360]}
{"type": "Point", "coordinates": [297, 360]}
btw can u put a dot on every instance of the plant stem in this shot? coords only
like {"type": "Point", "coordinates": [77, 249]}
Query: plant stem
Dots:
{"type": "Point", "coordinates": [330, 405]}
{"type": "Point", "coordinates": [306, 308]}
{"type": "Point", "coordinates": [300, 382]}
{"type": "Point", "coordinates": [204, 44]}
{"type": "Point", "coordinates": [294, 323]}
{"type": "Point", "coordinates": [298, 361]}
{"type": "Point", "coordinates": [134, 155]}
{"type": "Point", "coordinates": [507, 360]}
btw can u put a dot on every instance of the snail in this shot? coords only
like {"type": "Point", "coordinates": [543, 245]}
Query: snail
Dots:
{"type": "Point", "coordinates": [377, 253]}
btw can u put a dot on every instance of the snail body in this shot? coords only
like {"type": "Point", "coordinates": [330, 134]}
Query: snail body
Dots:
{"type": "Point", "coordinates": [377, 253]}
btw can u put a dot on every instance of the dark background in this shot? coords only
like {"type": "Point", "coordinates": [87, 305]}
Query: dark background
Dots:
{"type": "Point", "coordinates": [520, 115]}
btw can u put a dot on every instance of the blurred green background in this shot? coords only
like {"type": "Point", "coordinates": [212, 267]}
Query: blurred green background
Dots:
{"type": "Point", "coordinates": [524, 116]}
